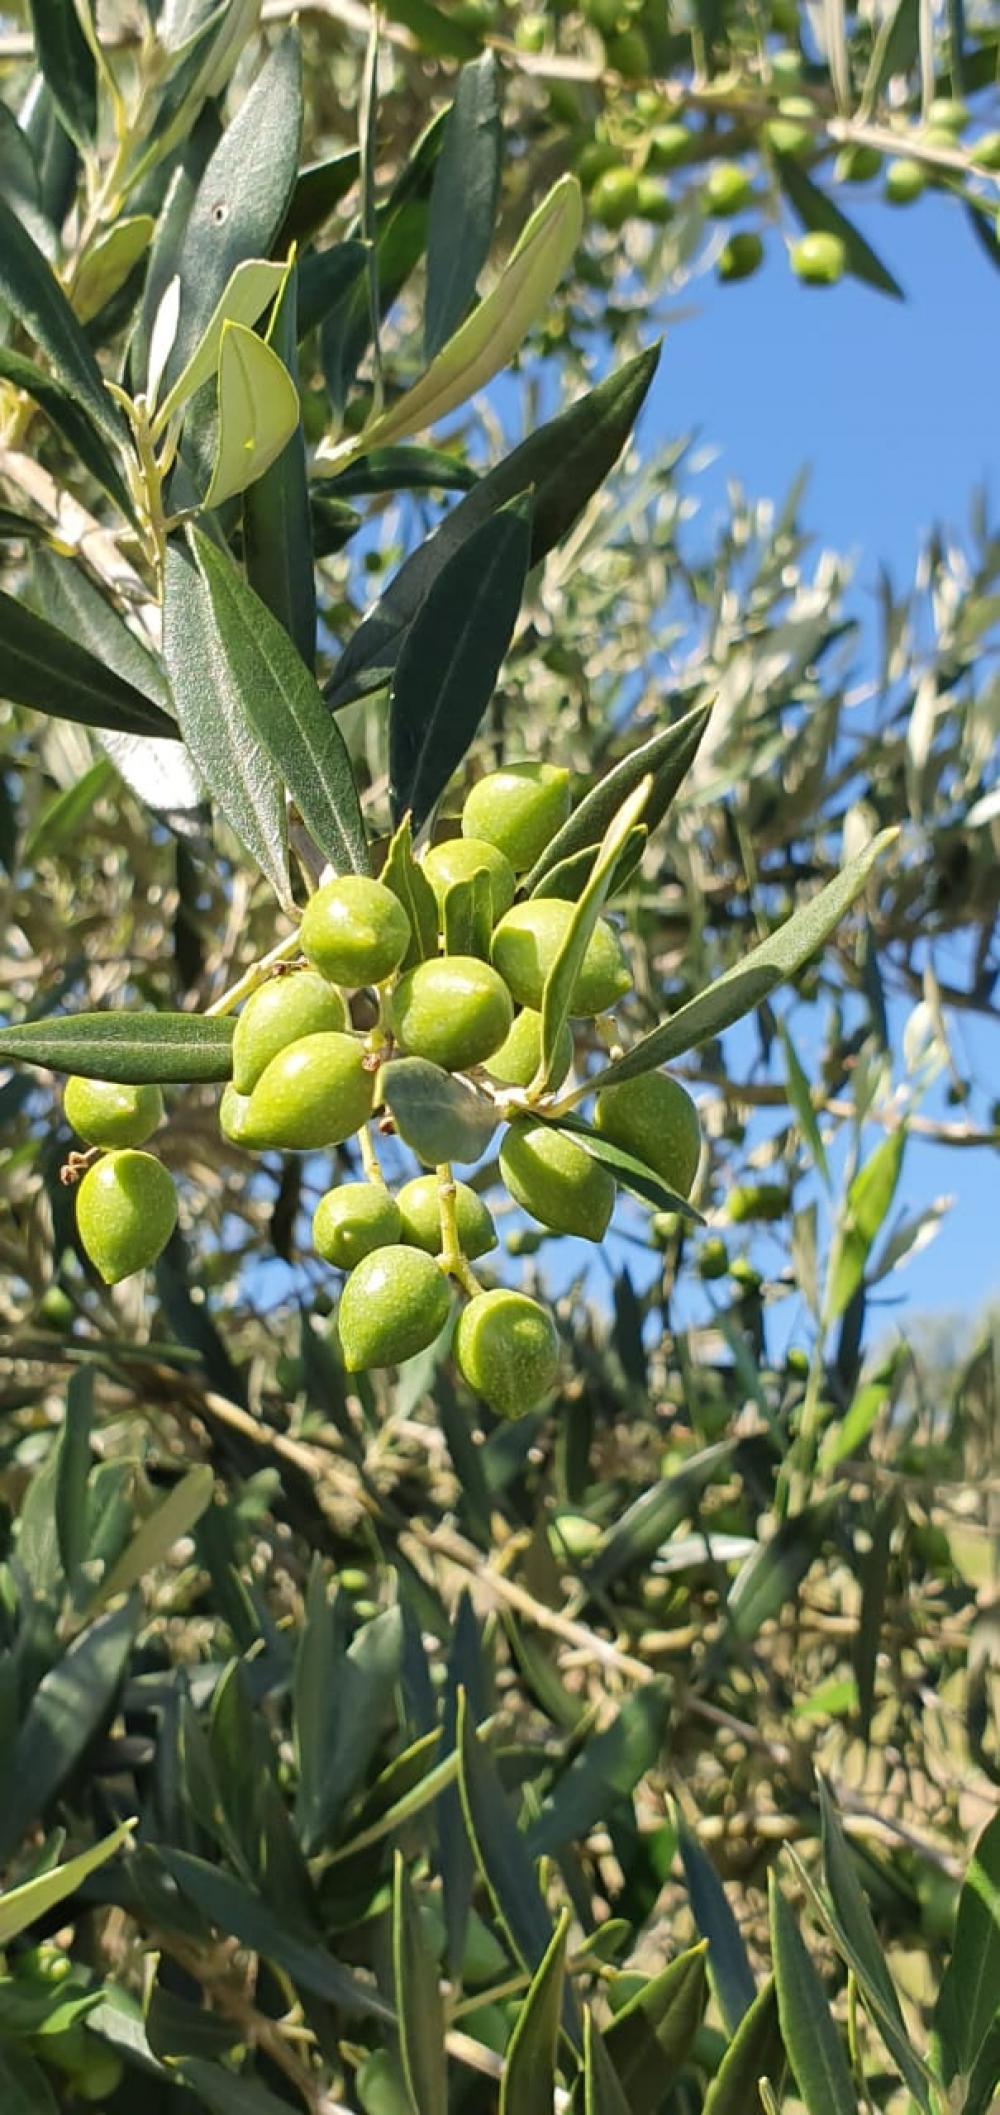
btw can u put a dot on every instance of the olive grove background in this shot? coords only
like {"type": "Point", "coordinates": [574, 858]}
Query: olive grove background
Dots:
{"type": "Point", "coordinates": [630, 1757]}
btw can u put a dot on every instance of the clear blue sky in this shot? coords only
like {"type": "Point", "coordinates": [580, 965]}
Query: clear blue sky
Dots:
{"type": "Point", "coordinates": [893, 406]}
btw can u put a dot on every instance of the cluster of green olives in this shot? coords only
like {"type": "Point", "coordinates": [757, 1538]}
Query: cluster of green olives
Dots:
{"type": "Point", "coordinates": [305, 1079]}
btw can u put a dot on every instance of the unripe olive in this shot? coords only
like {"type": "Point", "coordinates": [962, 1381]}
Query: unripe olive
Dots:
{"type": "Point", "coordinates": [282, 1012]}
{"type": "Point", "coordinates": [948, 114]}
{"type": "Point", "coordinates": [713, 1258]}
{"type": "Point", "coordinates": [315, 1093]}
{"type": "Point", "coordinates": [758, 1200]}
{"type": "Point", "coordinates": [352, 1221]}
{"type": "Point", "coordinates": [727, 189]}
{"type": "Point", "coordinates": [126, 1211]}
{"type": "Point", "coordinates": [420, 1212]}
{"type": "Point", "coordinates": [518, 809]}
{"type": "Point", "coordinates": [741, 257]}
{"type": "Point", "coordinates": [557, 1181]}
{"type": "Point", "coordinates": [507, 1349]}
{"type": "Point", "coordinates": [529, 33]}
{"type": "Point", "coordinates": [393, 1305]}
{"type": "Point", "coordinates": [786, 65]}
{"type": "Point", "coordinates": [986, 151]}
{"type": "Point", "coordinates": [355, 931]}
{"type": "Point", "coordinates": [525, 1241]}
{"type": "Point", "coordinates": [461, 859]}
{"type": "Point", "coordinates": [527, 941]}
{"type": "Point", "coordinates": [488, 2025]}
{"type": "Point", "coordinates": [652, 202]}
{"type": "Point", "coordinates": [797, 1362]}
{"type": "Point", "coordinates": [905, 179]}
{"type": "Point", "coordinates": [664, 1228]}
{"type": "Point", "coordinates": [630, 55]}
{"type": "Point", "coordinates": [455, 1011]}
{"type": "Point", "coordinates": [45, 1963]}
{"type": "Point", "coordinates": [572, 1535]}
{"type": "Point", "coordinates": [594, 159]}
{"type": "Point", "coordinates": [669, 146]}
{"type": "Point", "coordinates": [106, 1114]}
{"type": "Point", "coordinates": [857, 165]}
{"type": "Point", "coordinates": [655, 1118]}
{"type": "Point", "coordinates": [791, 132]}
{"type": "Point", "coordinates": [605, 15]}
{"type": "Point", "coordinates": [234, 1118]}
{"type": "Point", "coordinates": [743, 1273]}
{"type": "Point", "coordinates": [516, 1062]}
{"type": "Point", "coordinates": [99, 2073]}
{"type": "Point", "coordinates": [819, 259]}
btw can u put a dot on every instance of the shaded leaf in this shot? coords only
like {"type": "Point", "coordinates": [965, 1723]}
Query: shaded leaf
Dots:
{"type": "Point", "coordinates": [606, 1770]}
{"type": "Point", "coordinates": [817, 212]}
{"type": "Point", "coordinates": [405, 468]}
{"type": "Point", "coordinates": [771, 1577]}
{"type": "Point", "coordinates": [241, 1915]}
{"type": "Point", "coordinates": [42, 667]}
{"type": "Point", "coordinates": [409, 884]}
{"type": "Point", "coordinates": [500, 1850]}
{"type": "Point", "coordinates": [134, 1048]}
{"type": "Point", "coordinates": [651, 1518]}
{"type": "Point", "coordinates": [864, 1948]}
{"type": "Point", "coordinates": [277, 523]}
{"type": "Point", "coordinates": [436, 1115]}
{"type": "Point", "coordinates": [418, 2001]}
{"type": "Point", "coordinates": [31, 290]}
{"type": "Point", "coordinates": [76, 425]}
{"type": "Point", "coordinates": [729, 1970]}
{"type": "Point", "coordinates": [811, 2040]}
{"type": "Point", "coordinates": [68, 66]}
{"type": "Point", "coordinates": [649, 2039]}
{"type": "Point", "coordinates": [107, 262]}
{"type": "Point", "coordinates": [24, 2088]}
{"type": "Point", "coordinates": [602, 2094]}
{"type": "Point", "coordinates": [754, 2052]}
{"type": "Point", "coordinates": [967, 2002]}
{"type": "Point", "coordinates": [72, 1701]}
{"type": "Point", "coordinates": [319, 190]}
{"type": "Point", "coordinates": [463, 201]}
{"type": "Point", "coordinates": [628, 1171]}
{"type": "Point", "coordinates": [529, 2073]}
{"type": "Point", "coordinates": [172, 1519]}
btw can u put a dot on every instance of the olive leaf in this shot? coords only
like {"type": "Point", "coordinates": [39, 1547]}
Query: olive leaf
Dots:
{"type": "Point", "coordinates": [258, 412]}
{"type": "Point", "coordinates": [136, 1049]}
{"type": "Point", "coordinates": [557, 995]}
{"type": "Point", "coordinates": [436, 1115]}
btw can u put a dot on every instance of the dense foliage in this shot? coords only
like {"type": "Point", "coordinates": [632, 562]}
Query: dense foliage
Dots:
{"type": "Point", "coordinates": [365, 1745]}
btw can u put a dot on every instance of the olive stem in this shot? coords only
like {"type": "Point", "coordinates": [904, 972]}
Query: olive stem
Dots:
{"type": "Point", "coordinates": [451, 1259]}
{"type": "Point", "coordinates": [369, 1157]}
{"type": "Point", "coordinates": [253, 976]}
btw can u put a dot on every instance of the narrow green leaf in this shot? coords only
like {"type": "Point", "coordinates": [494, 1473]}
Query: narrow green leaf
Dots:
{"type": "Point", "coordinates": [406, 468]}
{"type": "Point", "coordinates": [562, 465]}
{"type": "Point", "coordinates": [243, 300]}
{"type": "Point", "coordinates": [277, 522]}
{"type": "Point", "coordinates": [418, 2001]}
{"type": "Point", "coordinates": [22, 1906]}
{"type": "Point", "coordinates": [24, 2087]}
{"type": "Point", "coordinates": [967, 2003]}
{"type": "Point", "coordinates": [909, 2063]}
{"type": "Point", "coordinates": [349, 1717]}
{"type": "Point", "coordinates": [467, 921]}
{"type": "Point", "coordinates": [562, 977]}
{"type": "Point", "coordinates": [19, 181]}
{"type": "Point", "coordinates": [666, 758]}
{"type": "Point", "coordinates": [864, 1948]}
{"type": "Point", "coordinates": [772, 1576]}
{"type": "Point", "coordinates": [63, 817]}
{"type": "Point", "coordinates": [649, 2039]}
{"type": "Point", "coordinates": [750, 981]}
{"type": "Point", "coordinates": [173, 1518]}
{"type": "Point", "coordinates": [225, 2092]}
{"type": "Point", "coordinates": [436, 1115]}
{"type": "Point", "coordinates": [258, 412]}
{"type": "Point", "coordinates": [107, 262]}
{"type": "Point", "coordinates": [811, 2040]}
{"type": "Point", "coordinates": [403, 1809]}
{"type": "Point", "coordinates": [754, 2052]}
{"type": "Point", "coordinates": [654, 1516]}
{"type": "Point", "coordinates": [874, 1591]}
{"type": "Point", "coordinates": [450, 660]}
{"type": "Point", "coordinates": [76, 425]}
{"type": "Point", "coordinates": [74, 1469]}
{"type": "Point", "coordinates": [463, 201]}
{"type": "Point", "coordinates": [42, 667]}
{"type": "Point", "coordinates": [817, 212]}
{"type": "Point", "coordinates": [571, 875]}
{"type": "Point", "coordinates": [32, 292]}
{"type": "Point", "coordinates": [500, 1850]}
{"type": "Point", "coordinates": [437, 31]}
{"type": "Point", "coordinates": [529, 2073]}
{"type": "Point", "coordinates": [67, 64]}
{"type": "Point", "coordinates": [869, 1201]}
{"type": "Point", "coordinates": [408, 882]}
{"type": "Point", "coordinates": [729, 1970]}
{"type": "Point", "coordinates": [206, 650]}
{"type": "Point", "coordinates": [894, 51]}
{"type": "Point", "coordinates": [136, 1049]}
{"type": "Point", "coordinates": [602, 2094]}
{"type": "Point", "coordinates": [71, 1703]}
{"type": "Point", "coordinates": [800, 1096]}
{"type": "Point", "coordinates": [605, 1771]}
{"type": "Point", "coordinates": [629, 1172]}
{"type": "Point", "coordinates": [319, 189]}
{"type": "Point", "coordinates": [279, 703]}
{"type": "Point", "coordinates": [243, 1916]}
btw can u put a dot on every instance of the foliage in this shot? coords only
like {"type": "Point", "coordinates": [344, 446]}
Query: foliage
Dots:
{"type": "Point", "coordinates": [362, 1749]}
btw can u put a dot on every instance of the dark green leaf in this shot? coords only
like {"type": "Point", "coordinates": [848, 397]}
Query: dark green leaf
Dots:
{"type": "Point", "coordinates": [529, 2073]}
{"type": "Point", "coordinates": [602, 2094]}
{"type": "Point", "coordinates": [750, 981]}
{"type": "Point", "coordinates": [436, 1115]}
{"type": "Point", "coordinates": [168, 234]}
{"type": "Point", "coordinates": [605, 1771]}
{"type": "Point", "coordinates": [817, 212]}
{"type": "Point", "coordinates": [24, 2088]}
{"type": "Point", "coordinates": [56, 157]}
{"type": "Point", "coordinates": [340, 1720]}
{"type": "Point", "coordinates": [242, 1915]}
{"type": "Point", "coordinates": [76, 426]}
{"type": "Point", "coordinates": [410, 885]}
{"type": "Point", "coordinates": [133, 1048]}
{"type": "Point", "coordinates": [811, 2040]}
{"type": "Point", "coordinates": [649, 2039]}
{"type": "Point", "coordinates": [418, 2001]}
{"type": "Point", "coordinates": [800, 1097]}
{"type": "Point", "coordinates": [463, 201]}
{"type": "Point", "coordinates": [19, 183]}
{"type": "Point", "coordinates": [67, 595]}
{"type": "Point", "coordinates": [243, 195]}
{"type": "Point", "coordinates": [729, 1970]}
{"type": "Point", "coordinates": [652, 1518]}
{"type": "Point", "coordinates": [984, 229]}
{"type": "Point", "coordinates": [769, 1579]}
{"type": "Point", "coordinates": [212, 659]}
{"type": "Point", "coordinates": [31, 290]}
{"type": "Point", "coordinates": [874, 1583]}
{"type": "Point", "coordinates": [334, 296]}
{"type": "Point", "coordinates": [500, 1850]}
{"type": "Point", "coordinates": [68, 65]}
{"type": "Point", "coordinates": [74, 1469]}
{"type": "Point", "coordinates": [754, 2052]}
{"type": "Point", "coordinates": [449, 661]}
{"type": "Point", "coordinates": [226, 2092]}
{"type": "Point", "coordinates": [404, 468]}
{"type": "Point", "coordinates": [863, 1947]}
{"type": "Point", "coordinates": [20, 528]}
{"type": "Point", "coordinates": [561, 465]}
{"type": "Point", "coordinates": [967, 2003]}
{"type": "Point", "coordinates": [399, 231]}
{"type": "Point", "coordinates": [984, 2078]}
{"type": "Point", "coordinates": [666, 758]}
{"type": "Point", "coordinates": [630, 1173]}
{"type": "Point", "coordinates": [71, 1704]}
{"type": "Point", "coordinates": [277, 524]}
{"type": "Point", "coordinates": [44, 668]}
{"type": "Point", "coordinates": [319, 190]}
{"type": "Point", "coordinates": [896, 46]}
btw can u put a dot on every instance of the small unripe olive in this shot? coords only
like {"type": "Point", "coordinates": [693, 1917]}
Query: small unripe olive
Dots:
{"type": "Point", "coordinates": [282, 1012]}
{"type": "Point", "coordinates": [593, 159]}
{"type": "Point", "coordinates": [797, 1362]}
{"type": "Point", "coordinates": [986, 151]}
{"type": "Point", "coordinates": [420, 1213]}
{"type": "Point", "coordinates": [948, 114]}
{"type": "Point", "coordinates": [741, 256]}
{"type": "Point", "coordinates": [316, 1092]}
{"type": "Point", "coordinates": [234, 1117]}
{"type": "Point", "coordinates": [507, 1349]}
{"type": "Point", "coordinates": [393, 1305]}
{"type": "Point", "coordinates": [857, 165]}
{"type": "Point", "coordinates": [106, 1114]}
{"type": "Point", "coordinates": [652, 202]}
{"type": "Point", "coordinates": [516, 1062]}
{"type": "Point", "coordinates": [655, 1118]}
{"type": "Point", "coordinates": [99, 2073]}
{"type": "Point", "coordinates": [572, 1535]}
{"type": "Point", "coordinates": [455, 1011]}
{"type": "Point", "coordinates": [355, 931]}
{"type": "Point", "coordinates": [461, 859]}
{"type": "Point", "coordinates": [905, 179]}
{"type": "Point", "coordinates": [126, 1211]}
{"type": "Point", "coordinates": [713, 1258]}
{"type": "Point", "coordinates": [786, 65]}
{"type": "Point", "coordinates": [743, 1273]}
{"type": "Point", "coordinates": [727, 189]}
{"type": "Point", "coordinates": [525, 1241]}
{"type": "Point", "coordinates": [664, 1228]}
{"type": "Point", "coordinates": [557, 1181]}
{"type": "Point", "coordinates": [352, 1221]}
{"type": "Point", "coordinates": [518, 809]}
{"type": "Point", "coordinates": [669, 147]}
{"type": "Point", "coordinates": [819, 259]}
{"type": "Point", "coordinates": [630, 55]}
{"type": "Point", "coordinates": [527, 941]}
{"type": "Point", "coordinates": [488, 2025]}
{"type": "Point", "coordinates": [605, 15]}
{"type": "Point", "coordinates": [758, 1200]}
{"type": "Point", "coordinates": [790, 132]}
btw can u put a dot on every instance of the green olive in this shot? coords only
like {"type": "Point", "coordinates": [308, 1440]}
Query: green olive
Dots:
{"type": "Point", "coordinates": [986, 151]}
{"type": "Point", "coordinates": [234, 1118]}
{"type": "Point", "coordinates": [518, 809]}
{"type": "Point", "coordinates": [354, 1220]}
{"type": "Point", "coordinates": [786, 65]}
{"type": "Point", "coordinates": [713, 1258]}
{"type": "Point", "coordinates": [106, 1114]}
{"type": "Point", "coordinates": [791, 131]}
{"type": "Point", "coordinates": [461, 859]}
{"type": "Point", "coordinates": [455, 1011]}
{"type": "Point", "coordinates": [527, 941]}
{"type": "Point", "coordinates": [507, 1349]}
{"type": "Point", "coordinates": [126, 1211]}
{"type": "Point", "coordinates": [948, 114]}
{"type": "Point", "coordinates": [758, 1200]}
{"type": "Point", "coordinates": [819, 259]}
{"type": "Point", "coordinates": [393, 1305]}
{"type": "Point", "coordinates": [355, 931]}
{"type": "Point", "coordinates": [669, 146]}
{"type": "Point", "coordinates": [557, 1181]}
{"type": "Point", "coordinates": [420, 1213]}
{"type": "Point", "coordinates": [517, 1060]}
{"type": "Point", "coordinates": [652, 202]}
{"type": "Point", "coordinates": [655, 1118]}
{"type": "Point", "coordinates": [282, 1012]}
{"type": "Point", "coordinates": [594, 158]}
{"type": "Point", "coordinates": [316, 1092]}
{"type": "Point", "coordinates": [727, 189]}
{"type": "Point", "coordinates": [905, 179]}
{"type": "Point", "coordinates": [741, 256]}
{"type": "Point", "coordinates": [857, 165]}
{"type": "Point", "coordinates": [573, 1536]}
{"type": "Point", "coordinates": [629, 54]}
